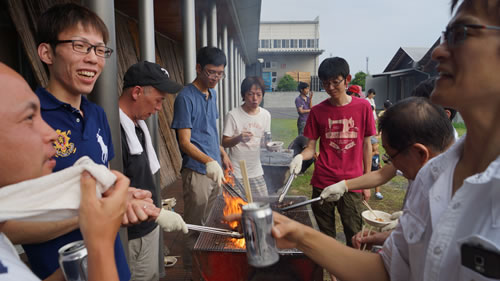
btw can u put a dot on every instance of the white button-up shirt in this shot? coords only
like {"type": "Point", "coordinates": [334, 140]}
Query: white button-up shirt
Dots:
{"type": "Point", "coordinates": [426, 244]}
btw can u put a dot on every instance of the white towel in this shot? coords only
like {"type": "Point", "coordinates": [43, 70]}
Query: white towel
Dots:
{"type": "Point", "coordinates": [134, 146]}
{"type": "Point", "coordinates": [52, 197]}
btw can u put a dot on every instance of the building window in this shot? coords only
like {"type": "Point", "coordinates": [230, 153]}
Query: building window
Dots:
{"type": "Point", "coordinates": [293, 43]}
{"type": "Point", "coordinates": [285, 43]}
{"type": "Point", "coordinates": [302, 43]}
{"type": "Point", "coordinates": [310, 43]}
{"type": "Point", "coordinates": [273, 74]}
{"type": "Point", "coordinates": [267, 64]}
{"type": "Point", "coordinates": [265, 43]}
{"type": "Point", "coordinates": [277, 44]}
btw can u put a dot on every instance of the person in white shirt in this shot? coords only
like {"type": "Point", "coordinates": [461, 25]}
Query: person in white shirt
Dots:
{"type": "Point", "coordinates": [371, 99]}
{"type": "Point", "coordinates": [243, 129]}
{"type": "Point", "coordinates": [450, 228]}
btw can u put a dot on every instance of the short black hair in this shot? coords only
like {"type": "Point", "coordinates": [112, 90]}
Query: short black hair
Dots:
{"type": "Point", "coordinates": [210, 55]}
{"type": "Point", "coordinates": [333, 68]}
{"type": "Point", "coordinates": [416, 120]}
{"type": "Point", "coordinates": [62, 16]}
{"type": "Point", "coordinates": [371, 91]}
{"type": "Point", "coordinates": [248, 82]}
{"type": "Point", "coordinates": [424, 89]}
{"type": "Point", "coordinates": [387, 104]}
{"type": "Point", "coordinates": [302, 86]}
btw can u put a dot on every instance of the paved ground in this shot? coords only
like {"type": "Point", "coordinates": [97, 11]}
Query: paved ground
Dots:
{"type": "Point", "coordinates": [283, 113]}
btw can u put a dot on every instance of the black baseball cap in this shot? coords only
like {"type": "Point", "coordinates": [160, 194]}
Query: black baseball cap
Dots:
{"type": "Point", "coordinates": [146, 73]}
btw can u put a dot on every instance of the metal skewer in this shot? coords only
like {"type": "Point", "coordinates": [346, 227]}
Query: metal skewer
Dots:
{"type": "Point", "coordinates": [214, 230]}
{"type": "Point", "coordinates": [294, 206]}
{"type": "Point", "coordinates": [286, 187]}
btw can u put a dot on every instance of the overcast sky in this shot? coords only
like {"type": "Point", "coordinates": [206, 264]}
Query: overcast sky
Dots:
{"type": "Point", "coordinates": [356, 29]}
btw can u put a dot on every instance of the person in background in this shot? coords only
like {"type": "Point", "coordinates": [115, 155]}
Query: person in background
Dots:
{"type": "Point", "coordinates": [344, 125]}
{"type": "Point", "coordinates": [387, 104]}
{"type": "Point", "coordinates": [145, 86]}
{"type": "Point", "coordinates": [303, 103]}
{"type": "Point", "coordinates": [376, 164]}
{"type": "Point", "coordinates": [243, 130]}
{"type": "Point", "coordinates": [371, 99]}
{"type": "Point", "coordinates": [27, 153]}
{"type": "Point", "coordinates": [195, 123]}
{"type": "Point", "coordinates": [355, 90]}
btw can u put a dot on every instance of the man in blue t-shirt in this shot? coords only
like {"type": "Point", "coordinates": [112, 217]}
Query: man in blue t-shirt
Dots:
{"type": "Point", "coordinates": [303, 103]}
{"type": "Point", "coordinates": [195, 123]}
{"type": "Point", "coordinates": [71, 43]}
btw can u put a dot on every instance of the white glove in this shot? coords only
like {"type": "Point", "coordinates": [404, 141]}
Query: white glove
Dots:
{"type": "Point", "coordinates": [394, 221]}
{"type": "Point", "coordinates": [333, 192]}
{"type": "Point", "coordinates": [214, 171]}
{"type": "Point", "coordinates": [171, 221]}
{"type": "Point", "coordinates": [296, 164]}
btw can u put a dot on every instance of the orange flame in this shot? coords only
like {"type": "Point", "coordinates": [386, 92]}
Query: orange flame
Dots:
{"type": "Point", "coordinates": [233, 206]}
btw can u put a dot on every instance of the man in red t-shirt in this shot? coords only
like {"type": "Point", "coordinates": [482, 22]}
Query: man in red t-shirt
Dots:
{"type": "Point", "coordinates": [344, 125]}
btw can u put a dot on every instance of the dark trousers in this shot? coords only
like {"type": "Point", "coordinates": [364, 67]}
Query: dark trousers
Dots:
{"type": "Point", "coordinates": [349, 207]}
{"type": "Point", "coordinates": [300, 127]}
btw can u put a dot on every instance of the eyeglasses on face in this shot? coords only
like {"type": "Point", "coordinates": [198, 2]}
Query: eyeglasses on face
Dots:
{"type": "Point", "coordinates": [327, 83]}
{"type": "Point", "coordinates": [212, 74]}
{"type": "Point", "coordinates": [391, 158]}
{"type": "Point", "coordinates": [84, 47]}
{"type": "Point", "coordinates": [456, 34]}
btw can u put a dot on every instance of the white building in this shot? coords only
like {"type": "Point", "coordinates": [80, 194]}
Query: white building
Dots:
{"type": "Point", "coordinates": [289, 46]}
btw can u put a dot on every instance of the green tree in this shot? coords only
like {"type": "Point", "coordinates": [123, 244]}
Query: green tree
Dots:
{"type": "Point", "coordinates": [359, 79]}
{"type": "Point", "coordinates": [287, 83]}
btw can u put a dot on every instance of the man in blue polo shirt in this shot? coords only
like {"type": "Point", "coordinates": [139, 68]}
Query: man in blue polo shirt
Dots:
{"type": "Point", "coordinates": [71, 43]}
{"type": "Point", "coordinates": [195, 122]}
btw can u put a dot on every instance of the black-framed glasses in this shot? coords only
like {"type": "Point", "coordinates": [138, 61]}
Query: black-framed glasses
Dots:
{"type": "Point", "coordinates": [327, 83]}
{"type": "Point", "coordinates": [212, 74]}
{"type": "Point", "coordinates": [84, 47]}
{"type": "Point", "coordinates": [391, 158]}
{"type": "Point", "coordinates": [456, 34]}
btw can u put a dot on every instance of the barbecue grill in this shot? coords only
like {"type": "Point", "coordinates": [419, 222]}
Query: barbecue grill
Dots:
{"type": "Point", "coordinates": [217, 258]}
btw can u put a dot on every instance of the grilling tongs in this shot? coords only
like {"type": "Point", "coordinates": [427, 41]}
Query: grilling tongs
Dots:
{"type": "Point", "coordinates": [214, 230]}
{"type": "Point", "coordinates": [286, 187]}
{"type": "Point", "coordinates": [234, 192]}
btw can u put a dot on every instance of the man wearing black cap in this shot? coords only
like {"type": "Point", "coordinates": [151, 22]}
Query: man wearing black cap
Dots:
{"type": "Point", "coordinates": [145, 86]}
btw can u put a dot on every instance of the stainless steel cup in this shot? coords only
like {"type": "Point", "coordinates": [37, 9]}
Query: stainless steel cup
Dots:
{"type": "Point", "coordinates": [257, 221]}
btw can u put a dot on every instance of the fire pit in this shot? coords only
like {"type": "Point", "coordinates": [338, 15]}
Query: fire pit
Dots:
{"type": "Point", "coordinates": [221, 258]}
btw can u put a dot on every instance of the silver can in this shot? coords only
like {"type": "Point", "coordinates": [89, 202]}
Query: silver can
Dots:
{"type": "Point", "coordinates": [73, 261]}
{"type": "Point", "coordinates": [267, 137]}
{"type": "Point", "coordinates": [257, 221]}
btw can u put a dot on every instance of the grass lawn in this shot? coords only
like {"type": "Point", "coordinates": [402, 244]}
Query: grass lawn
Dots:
{"type": "Point", "coordinates": [394, 191]}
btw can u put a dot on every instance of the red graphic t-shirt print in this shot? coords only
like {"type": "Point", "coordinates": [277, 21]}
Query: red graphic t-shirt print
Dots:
{"type": "Point", "coordinates": [341, 134]}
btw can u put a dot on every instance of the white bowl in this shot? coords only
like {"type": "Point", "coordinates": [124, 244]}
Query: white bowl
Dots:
{"type": "Point", "coordinates": [370, 218]}
{"type": "Point", "coordinates": [274, 146]}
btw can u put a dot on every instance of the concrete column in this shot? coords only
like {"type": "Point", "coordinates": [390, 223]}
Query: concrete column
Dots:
{"type": "Point", "coordinates": [225, 82]}
{"type": "Point", "coordinates": [212, 23]}
{"type": "Point", "coordinates": [230, 72]}
{"type": "Point", "coordinates": [220, 95]}
{"type": "Point", "coordinates": [203, 29]}
{"type": "Point", "coordinates": [105, 91]}
{"type": "Point", "coordinates": [189, 40]}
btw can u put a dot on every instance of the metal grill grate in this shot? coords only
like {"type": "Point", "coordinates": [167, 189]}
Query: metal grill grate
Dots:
{"type": "Point", "coordinates": [219, 243]}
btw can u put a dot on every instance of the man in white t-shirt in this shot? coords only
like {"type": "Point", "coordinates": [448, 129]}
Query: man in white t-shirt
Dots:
{"type": "Point", "coordinates": [371, 99]}
{"type": "Point", "coordinates": [243, 130]}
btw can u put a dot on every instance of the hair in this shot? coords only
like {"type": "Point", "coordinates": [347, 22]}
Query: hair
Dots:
{"type": "Point", "coordinates": [302, 86]}
{"type": "Point", "coordinates": [248, 82]}
{"type": "Point", "coordinates": [63, 16]}
{"type": "Point", "coordinates": [424, 89]}
{"type": "Point", "coordinates": [416, 120]}
{"type": "Point", "coordinates": [479, 7]}
{"type": "Point", "coordinates": [333, 68]}
{"type": "Point", "coordinates": [210, 55]}
{"type": "Point", "coordinates": [371, 91]}
{"type": "Point", "coordinates": [387, 104]}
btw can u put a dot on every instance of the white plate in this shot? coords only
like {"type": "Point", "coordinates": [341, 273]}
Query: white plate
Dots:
{"type": "Point", "coordinates": [370, 218]}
